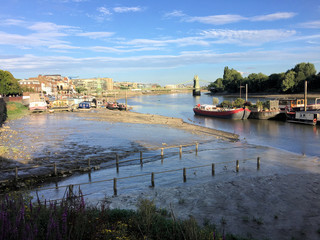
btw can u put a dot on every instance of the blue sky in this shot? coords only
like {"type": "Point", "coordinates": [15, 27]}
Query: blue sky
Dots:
{"type": "Point", "coordinates": [164, 42]}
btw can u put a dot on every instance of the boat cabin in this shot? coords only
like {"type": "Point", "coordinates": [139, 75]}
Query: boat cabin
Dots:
{"type": "Point", "coordinates": [84, 105]}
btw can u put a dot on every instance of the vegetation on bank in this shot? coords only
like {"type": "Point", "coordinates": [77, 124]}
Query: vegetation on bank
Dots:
{"type": "Point", "coordinates": [72, 218]}
{"type": "Point", "coordinates": [16, 110]}
{"type": "Point", "coordinates": [291, 81]}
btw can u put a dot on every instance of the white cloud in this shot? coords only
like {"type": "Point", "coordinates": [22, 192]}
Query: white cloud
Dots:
{"type": "Point", "coordinates": [127, 9]}
{"type": "Point", "coordinates": [274, 16]}
{"type": "Point", "coordinates": [175, 13]}
{"type": "Point", "coordinates": [312, 24]}
{"type": "Point", "coordinates": [104, 11]}
{"type": "Point", "coordinates": [63, 46]}
{"type": "Point", "coordinates": [216, 19]}
{"type": "Point", "coordinates": [95, 35]}
{"type": "Point", "coordinates": [229, 18]}
{"type": "Point", "coordinates": [187, 41]}
{"type": "Point", "coordinates": [13, 22]}
{"type": "Point", "coordinates": [247, 37]}
{"type": "Point", "coordinates": [47, 27]}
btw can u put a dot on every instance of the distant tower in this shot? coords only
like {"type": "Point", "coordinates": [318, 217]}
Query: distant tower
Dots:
{"type": "Point", "coordinates": [196, 86]}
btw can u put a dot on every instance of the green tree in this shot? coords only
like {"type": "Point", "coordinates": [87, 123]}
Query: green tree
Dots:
{"type": "Point", "coordinates": [288, 81]}
{"type": "Point", "coordinates": [231, 79]}
{"type": "Point", "coordinates": [216, 86]}
{"type": "Point", "coordinates": [304, 72]}
{"type": "Point", "coordinates": [257, 82]}
{"type": "Point", "coordinates": [8, 84]}
{"type": "Point", "coordinates": [307, 69]}
{"type": "Point", "coordinates": [81, 89]}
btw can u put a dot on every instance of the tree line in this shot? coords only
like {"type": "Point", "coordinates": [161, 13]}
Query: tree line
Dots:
{"type": "Point", "coordinates": [291, 81]}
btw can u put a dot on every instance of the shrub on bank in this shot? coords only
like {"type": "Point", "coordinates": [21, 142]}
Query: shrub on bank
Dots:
{"type": "Point", "coordinates": [72, 218]}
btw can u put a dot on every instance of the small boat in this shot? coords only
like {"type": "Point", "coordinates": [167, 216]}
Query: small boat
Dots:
{"type": "Point", "coordinates": [39, 106]}
{"type": "Point", "coordinates": [112, 105]}
{"type": "Point", "coordinates": [217, 112]}
{"type": "Point", "coordinates": [85, 105]}
{"type": "Point", "coordinates": [61, 105]}
{"type": "Point", "coordinates": [122, 106]}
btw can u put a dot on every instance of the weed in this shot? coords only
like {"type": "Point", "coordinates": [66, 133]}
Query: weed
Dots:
{"type": "Point", "coordinates": [257, 220]}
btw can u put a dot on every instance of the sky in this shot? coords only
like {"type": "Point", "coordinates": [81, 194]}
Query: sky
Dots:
{"type": "Point", "coordinates": [163, 42]}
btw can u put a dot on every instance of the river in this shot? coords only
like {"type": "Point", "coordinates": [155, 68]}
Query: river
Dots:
{"type": "Point", "coordinates": [296, 138]}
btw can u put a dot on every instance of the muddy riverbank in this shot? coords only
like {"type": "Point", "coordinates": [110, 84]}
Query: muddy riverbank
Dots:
{"type": "Point", "coordinates": [36, 149]}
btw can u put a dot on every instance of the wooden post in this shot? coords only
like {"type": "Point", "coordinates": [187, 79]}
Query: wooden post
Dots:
{"type": "Point", "coordinates": [126, 101]}
{"type": "Point", "coordinates": [237, 166]}
{"type": "Point", "coordinates": [117, 162]}
{"type": "Point", "coordinates": [212, 169]}
{"type": "Point", "coordinates": [184, 175]}
{"type": "Point", "coordinates": [70, 193]}
{"type": "Point", "coordinates": [16, 173]}
{"type": "Point", "coordinates": [180, 151]}
{"type": "Point", "coordinates": [197, 146]}
{"type": "Point", "coordinates": [162, 152]}
{"type": "Point", "coordinates": [258, 163]}
{"type": "Point", "coordinates": [54, 169]}
{"type": "Point", "coordinates": [141, 162]}
{"type": "Point", "coordinates": [115, 191]}
{"type": "Point", "coordinates": [152, 179]}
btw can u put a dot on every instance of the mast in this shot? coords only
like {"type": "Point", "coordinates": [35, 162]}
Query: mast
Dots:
{"type": "Point", "coordinates": [305, 95]}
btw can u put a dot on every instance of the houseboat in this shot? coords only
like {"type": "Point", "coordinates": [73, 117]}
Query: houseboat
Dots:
{"type": "Point", "coordinates": [304, 117]}
{"type": "Point", "coordinates": [219, 112]}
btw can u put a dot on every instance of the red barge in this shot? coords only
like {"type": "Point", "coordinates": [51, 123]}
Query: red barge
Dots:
{"type": "Point", "coordinates": [225, 113]}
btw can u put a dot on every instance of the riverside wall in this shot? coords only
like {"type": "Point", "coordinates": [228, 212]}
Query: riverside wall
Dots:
{"type": "Point", "coordinates": [3, 111]}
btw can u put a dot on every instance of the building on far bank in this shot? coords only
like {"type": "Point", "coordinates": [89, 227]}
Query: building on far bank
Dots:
{"type": "Point", "coordinates": [94, 85]}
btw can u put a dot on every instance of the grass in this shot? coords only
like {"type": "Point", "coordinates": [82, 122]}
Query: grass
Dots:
{"type": "Point", "coordinates": [72, 218]}
{"type": "Point", "coordinates": [16, 110]}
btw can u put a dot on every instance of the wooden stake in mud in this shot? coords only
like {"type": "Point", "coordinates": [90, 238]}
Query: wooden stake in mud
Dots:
{"type": "Point", "coordinates": [162, 152]}
{"type": "Point", "coordinates": [180, 151]}
{"type": "Point", "coordinates": [197, 146]}
{"type": "Point", "coordinates": [115, 191]}
{"type": "Point", "coordinates": [237, 166]}
{"type": "Point", "coordinates": [117, 162]}
{"type": "Point", "coordinates": [16, 173]}
{"type": "Point", "coordinates": [54, 169]}
{"type": "Point", "coordinates": [212, 169]}
{"type": "Point", "coordinates": [152, 179]}
{"type": "Point", "coordinates": [141, 162]}
{"type": "Point", "coordinates": [184, 175]}
{"type": "Point", "coordinates": [258, 163]}
{"type": "Point", "coordinates": [126, 102]}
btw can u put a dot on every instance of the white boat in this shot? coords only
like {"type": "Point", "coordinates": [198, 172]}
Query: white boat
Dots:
{"type": "Point", "coordinates": [39, 106]}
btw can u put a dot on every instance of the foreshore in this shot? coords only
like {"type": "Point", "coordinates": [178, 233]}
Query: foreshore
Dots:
{"type": "Point", "coordinates": [280, 201]}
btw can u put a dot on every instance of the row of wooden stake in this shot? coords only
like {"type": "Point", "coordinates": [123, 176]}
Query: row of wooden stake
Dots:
{"type": "Point", "coordinates": [184, 174]}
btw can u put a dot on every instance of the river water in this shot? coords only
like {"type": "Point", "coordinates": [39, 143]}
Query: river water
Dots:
{"type": "Point", "coordinates": [297, 138]}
